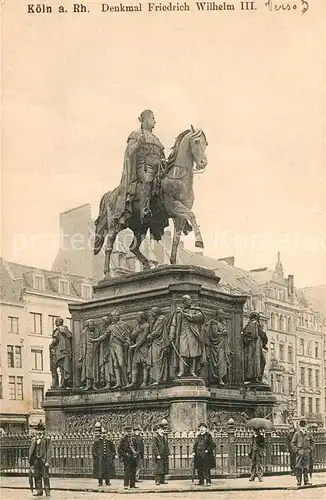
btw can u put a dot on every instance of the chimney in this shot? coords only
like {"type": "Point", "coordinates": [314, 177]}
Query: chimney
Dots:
{"type": "Point", "coordinates": [230, 261]}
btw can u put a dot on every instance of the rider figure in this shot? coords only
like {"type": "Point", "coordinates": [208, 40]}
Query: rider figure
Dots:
{"type": "Point", "coordinates": [144, 157]}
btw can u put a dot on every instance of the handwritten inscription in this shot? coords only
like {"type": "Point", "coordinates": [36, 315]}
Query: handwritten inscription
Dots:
{"type": "Point", "coordinates": [286, 6]}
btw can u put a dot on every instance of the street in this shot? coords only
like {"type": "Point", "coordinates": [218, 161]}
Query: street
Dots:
{"type": "Point", "coordinates": [300, 494]}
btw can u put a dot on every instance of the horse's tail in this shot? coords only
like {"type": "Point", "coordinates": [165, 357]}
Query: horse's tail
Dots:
{"type": "Point", "coordinates": [101, 223]}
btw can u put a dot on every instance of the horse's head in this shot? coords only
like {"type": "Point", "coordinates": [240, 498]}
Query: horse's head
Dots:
{"type": "Point", "coordinates": [198, 144]}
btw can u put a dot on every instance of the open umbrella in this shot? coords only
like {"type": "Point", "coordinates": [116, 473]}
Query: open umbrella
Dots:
{"type": "Point", "coordinates": [260, 423]}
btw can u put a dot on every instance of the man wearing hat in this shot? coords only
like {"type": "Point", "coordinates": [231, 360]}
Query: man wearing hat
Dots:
{"type": "Point", "coordinates": [127, 452]}
{"type": "Point", "coordinates": [103, 452]}
{"type": "Point", "coordinates": [160, 452]}
{"type": "Point", "coordinates": [203, 454]}
{"type": "Point", "coordinates": [302, 445]}
{"type": "Point", "coordinates": [140, 451]}
{"type": "Point", "coordinates": [39, 458]}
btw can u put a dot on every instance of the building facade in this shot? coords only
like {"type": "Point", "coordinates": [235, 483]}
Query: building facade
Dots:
{"type": "Point", "coordinates": [31, 299]}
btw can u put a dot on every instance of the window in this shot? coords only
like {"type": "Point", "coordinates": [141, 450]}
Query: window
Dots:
{"type": "Point", "coordinates": [272, 382]}
{"type": "Point", "coordinates": [272, 348]}
{"type": "Point", "coordinates": [289, 325]}
{"type": "Point", "coordinates": [36, 323]}
{"type": "Point", "coordinates": [63, 287]}
{"type": "Point", "coordinates": [273, 321]}
{"type": "Point", "coordinates": [10, 354]}
{"type": "Point", "coordinates": [317, 405]}
{"type": "Point", "coordinates": [310, 406]}
{"type": "Point", "coordinates": [281, 352]}
{"type": "Point", "coordinates": [316, 350]}
{"type": "Point", "coordinates": [18, 357]}
{"type": "Point", "coordinates": [1, 390]}
{"type": "Point", "coordinates": [290, 384]}
{"type": "Point", "coordinates": [16, 388]}
{"type": "Point", "coordinates": [309, 377]}
{"type": "Point", "coordinates": [38, 396]}
{"type": "Point", "coordinates": [317, 378]}
{"type": "Point", "coordinates": [39, 282]}
{"type": "Point", "coordinates": [279, 384]}
{"type": "Point", "coordinates": [37, 363]}
{"type": "Point", "coordinates": [86, 291]}
{"type": "Point", "coordinates": [52, 322]}
{"type": "Point", "coordinates": [302, 375]}
{"type": "Point", "coordinates": [282, 324]}
{"type": "Point", "coordinates": [14, 354]}
{"type": "Point", "coordinates": [12, 324]}
{"type": "Point", "coordinates": [309, 348]}
{"type": "Point", "coordinates": [290, 353]}
{"type": "Point", "coordinates": [301, 347]}
{"type": "Point", "coordinates": [303, 407]}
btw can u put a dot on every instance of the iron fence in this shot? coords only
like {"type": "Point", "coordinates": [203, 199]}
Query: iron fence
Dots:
{"type": "Point", "coordinates": [72, 453]}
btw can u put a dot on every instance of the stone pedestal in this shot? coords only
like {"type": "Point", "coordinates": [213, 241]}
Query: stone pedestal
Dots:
{"type": "Point", "coordinates": [184, 402]}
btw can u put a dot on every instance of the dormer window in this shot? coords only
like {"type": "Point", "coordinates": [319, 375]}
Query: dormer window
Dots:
{"type": "Point", "coordinates": [63, 287]}
{"type": "Point", "coordinates": [86, 291]}
{"type": "Point", "coordinates": [38, 282]}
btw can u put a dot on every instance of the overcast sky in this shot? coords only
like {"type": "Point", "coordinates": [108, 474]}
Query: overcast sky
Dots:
{"type": "Point", "coordinates": [74, 85]}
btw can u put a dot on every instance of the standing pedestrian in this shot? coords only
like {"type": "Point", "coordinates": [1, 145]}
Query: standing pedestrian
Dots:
{"type": "Point", "coordinates": [140, 452]}
{"type": "Point", "coordinates": [39, 460]}
{"type": "Point", "coordinates": [292, 453]}
{"type": "Point", "coordinates": [103, 452]}
{"type": "Point", "coordinates": [203, 454]}
{"type": "Point", "coordinates": [127, 452]}
{"type": "Point", "coordinates": [160, 452]}
{"type": "Point", "coordinates": [302, 445]}
{"type": "Point", "coordinates": [256, 453]}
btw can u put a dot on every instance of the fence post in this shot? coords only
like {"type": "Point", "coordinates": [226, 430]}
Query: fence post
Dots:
{"type": "Point", "coordinates": [231, 448]}
{"type": "Point", "coordinates": [268, 451]}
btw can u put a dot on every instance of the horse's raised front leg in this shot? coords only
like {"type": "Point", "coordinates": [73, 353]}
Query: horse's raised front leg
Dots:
{"type": "Point", "coordinates": [198, 237]}
{"type": "Point", "coordinates": [134, 248]}
{"type": "Point", "coordinates": [111, 237]}
{"type": "Point", "coordinates": [179, 211]}
{"type": "Point", "coordinates": [178, 225]}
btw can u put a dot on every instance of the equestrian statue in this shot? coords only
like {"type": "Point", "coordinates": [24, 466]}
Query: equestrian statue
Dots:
{"type": "Point", "coordinates": [152, 190]}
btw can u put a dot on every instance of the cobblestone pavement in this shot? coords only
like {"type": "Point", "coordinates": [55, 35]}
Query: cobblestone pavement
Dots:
{"type": "Point", "coordinates": [301, 494]}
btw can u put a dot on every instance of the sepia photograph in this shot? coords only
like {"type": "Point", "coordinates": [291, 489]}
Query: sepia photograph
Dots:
{"type": "Point", "coordinates": [163, 250]}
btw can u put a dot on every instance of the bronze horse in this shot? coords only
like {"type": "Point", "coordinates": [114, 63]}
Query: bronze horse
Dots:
{"type": "Point", "coordinates": [176, 198]}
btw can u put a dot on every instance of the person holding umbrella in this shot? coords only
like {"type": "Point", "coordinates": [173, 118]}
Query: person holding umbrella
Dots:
{"type": "Point", "coordinates": [203, 454]}
{"type": "Point", "coordinates": [258, 445]}
{"type": "Point", "coordinates": [256, 454]}
{"type": "Point", "coordinates": [302, 445]}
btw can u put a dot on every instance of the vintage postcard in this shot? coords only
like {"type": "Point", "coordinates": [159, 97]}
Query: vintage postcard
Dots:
{"type": "Point", "coordinates": [163, 248]}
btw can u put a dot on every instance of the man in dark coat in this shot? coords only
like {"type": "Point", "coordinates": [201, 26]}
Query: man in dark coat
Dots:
{"type": "Point", "coordinates": [103, 452]}
{"type": "Point", "coordinates": [161, 452]}
{"type": "Point", "coordinates": [302, 445]}
{"type": "Point", "coordinates": [256, 454]}
{"type": "Point", "coordinates": [140, 448]}
{"type": "Point", "coordinates": [203, 453]}
{"type": "Point", "coordinates": [39, 457]}
{"type": "Point", "coordinates": [127, 452]}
